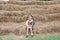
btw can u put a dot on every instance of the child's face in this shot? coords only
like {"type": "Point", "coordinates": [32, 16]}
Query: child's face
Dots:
{"type": "Point", "coordinates": [29, 17]}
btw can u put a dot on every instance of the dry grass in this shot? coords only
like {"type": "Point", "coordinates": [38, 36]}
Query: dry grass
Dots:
{"type": "Point", "coordinates": [46, 15]}
{"type": "Point", "coordinates": [20, 29]}
{"type": "Point", "coordinates": [12, 12]}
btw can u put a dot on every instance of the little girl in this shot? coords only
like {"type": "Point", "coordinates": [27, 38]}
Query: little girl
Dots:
{"type": "Point", "coordinates": [29, 24]}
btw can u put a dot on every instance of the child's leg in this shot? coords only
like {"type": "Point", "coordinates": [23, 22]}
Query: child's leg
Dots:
{"type": "Point", "coordinates": [28, 30]}
{"type": "Point", "coordinates": [31, 30]}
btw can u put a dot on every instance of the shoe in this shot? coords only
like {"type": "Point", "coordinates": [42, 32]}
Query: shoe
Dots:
{"type": "Point", "coordinates": [32, 35]}
{"type": "Point", "coordinates": [26, 35]}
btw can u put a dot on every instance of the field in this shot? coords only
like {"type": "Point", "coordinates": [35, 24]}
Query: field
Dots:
{"type": "Point", "coordinates": [32, 38]}
{"type": "Point", "coordinates": [13, 16]}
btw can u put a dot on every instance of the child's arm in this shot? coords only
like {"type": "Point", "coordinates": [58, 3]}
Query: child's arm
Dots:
{"type": "Point", "coordinates": [33, 23]}
{"type": "Point", "coordinates": [27, 23]}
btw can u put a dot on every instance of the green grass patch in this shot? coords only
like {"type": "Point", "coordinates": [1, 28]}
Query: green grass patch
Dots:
{"type": "Point", "coordinates": [1, 38]}
{"type": "Point", "coordinates": [32, 38]}
{"type": "Point", "coordinates": [44, 38]}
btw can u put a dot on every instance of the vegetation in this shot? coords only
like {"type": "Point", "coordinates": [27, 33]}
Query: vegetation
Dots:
{"type": "Point", "coordinates": [33, 38]}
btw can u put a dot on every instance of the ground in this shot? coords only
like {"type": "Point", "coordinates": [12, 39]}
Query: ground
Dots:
{"type": "Point", "coordinates": [14, 37]}
{"type": "Point", "coordinates": [13, 16]}
{"type": "Point", "coordinates": [9, 32]}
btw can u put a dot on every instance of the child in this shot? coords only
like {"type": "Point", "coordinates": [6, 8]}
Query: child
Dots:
{"type": "Point", "coordinates": [29, 24]}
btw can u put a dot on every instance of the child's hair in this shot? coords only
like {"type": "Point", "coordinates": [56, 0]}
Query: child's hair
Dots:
{"type": "Point", "coordinates": [28, 16]}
